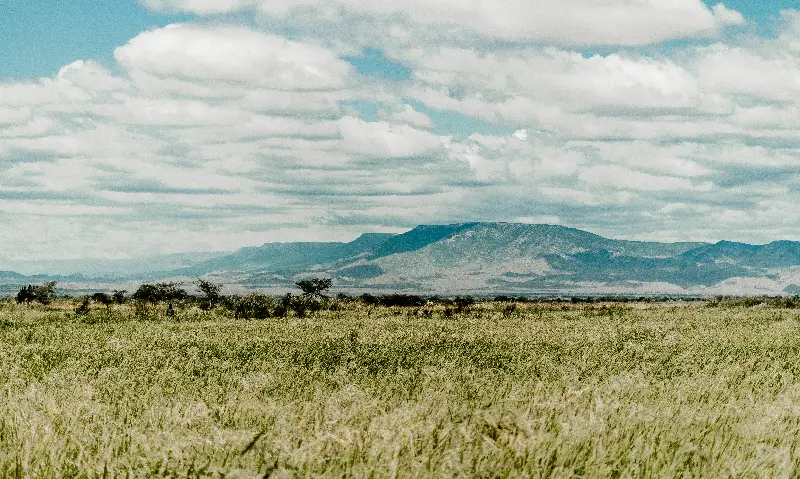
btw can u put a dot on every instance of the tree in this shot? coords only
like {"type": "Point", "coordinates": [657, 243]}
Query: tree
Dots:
{"type": "Point", "coordinates": [119, 296]}
{"type": "Point", "coordinates": [147, 293]}
{"type": "Point", "coordinates": [211, 292]}
{"type": "Point", "coordinates": [314, 287]}
{"type": "Point", "coordinates": [103, 299]}
{"type": "Point", "coordinates": [156, 293]}
{"type": "Point", "coordinates": [26, 295]}
{"type": "Point", "coordinates": [44, 294]}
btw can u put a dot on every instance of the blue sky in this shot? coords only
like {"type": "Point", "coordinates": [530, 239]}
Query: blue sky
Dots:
{"type": "Point", "coordinates": [128, 128]}
{"type": "Point", "coordinates": [38, 37]}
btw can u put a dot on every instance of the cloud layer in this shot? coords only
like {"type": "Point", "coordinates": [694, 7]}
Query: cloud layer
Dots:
{"type": "Point", "coordinates": [216, 134]}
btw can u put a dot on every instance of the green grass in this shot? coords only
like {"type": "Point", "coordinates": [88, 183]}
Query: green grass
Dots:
{"type": "Point", "coordinates": [543, 391]}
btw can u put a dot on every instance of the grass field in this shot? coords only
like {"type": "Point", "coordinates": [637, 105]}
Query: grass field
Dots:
{"type": "Point", "coordinates": [638, 390]}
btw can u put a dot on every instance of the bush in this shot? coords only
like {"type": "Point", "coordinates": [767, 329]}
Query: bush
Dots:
{"type": "Point", "coordinates": [252, 306]}
{"type": "Point", "coordinates": [314, 286]}
{"type": "Point", "coordinates": [44, 294]}
{"type": "Point", "coordinates": [103, 299]}
{"type": "Point", "coordinates": [119, 296]}
{"type": "Point", "coordinates": [402, 300]}
{"type": "Point", "coordinates": [156, 293]}
{"type": "Point", "coordinates": [462, 304]}
{"type": "Point", "coordinates": [211, 293]}
{"type": "Point", "coordinates": [83, 309]}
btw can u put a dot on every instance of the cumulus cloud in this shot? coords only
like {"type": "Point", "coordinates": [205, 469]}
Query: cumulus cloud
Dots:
{"type": "Point", "coordinates": [232, 55]}
{"type": "Point", "coordinates": [569, 22]}
{"type": "Point", "coordinates": [727, 16]}
{"type": "Point", "coordinates": [381, 139]}
{"type": "Point", "coordinates": [215, 135]}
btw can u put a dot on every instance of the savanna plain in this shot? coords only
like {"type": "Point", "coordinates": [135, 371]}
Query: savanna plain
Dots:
{"type": "Point", "coordinates": [496, 389]}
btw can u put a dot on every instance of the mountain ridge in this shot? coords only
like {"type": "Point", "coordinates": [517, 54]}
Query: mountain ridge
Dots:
{"type": "Point", "coordinates": [486, 257]}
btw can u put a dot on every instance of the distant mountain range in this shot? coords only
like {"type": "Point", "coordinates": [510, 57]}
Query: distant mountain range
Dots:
{"type": "Point", "coordinates": [500, 258]}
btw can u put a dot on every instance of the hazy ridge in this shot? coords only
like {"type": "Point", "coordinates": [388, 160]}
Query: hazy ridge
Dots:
{"type": "Point", "coordinates": [490, 258]}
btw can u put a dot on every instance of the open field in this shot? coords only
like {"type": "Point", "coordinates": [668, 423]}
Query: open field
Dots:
{"type": "Point", "coordinates": [637, 390]}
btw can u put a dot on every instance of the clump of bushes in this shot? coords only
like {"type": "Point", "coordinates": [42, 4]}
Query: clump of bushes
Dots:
{"type": "Point", "coordinates": [160, 292]}
{"type": "Point", "coordinates": [44, 294]}
{"type": "Point", "coordinates": [394, 300]}
{"type": "Point", "coordinates": [783, 302]}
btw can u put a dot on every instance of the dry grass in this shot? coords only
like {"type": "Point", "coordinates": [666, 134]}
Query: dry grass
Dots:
{"type": "Point", "coordinates": [540, 391]}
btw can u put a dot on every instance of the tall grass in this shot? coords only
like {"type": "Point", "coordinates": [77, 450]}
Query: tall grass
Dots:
{"type": "Point", "coordinates": [535, 390]}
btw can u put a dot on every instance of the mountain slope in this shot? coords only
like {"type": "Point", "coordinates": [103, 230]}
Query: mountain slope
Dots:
{"type": "Point", "coordinates": [289, 256]}
{"type": "Point", "coordinates": [486, 258]}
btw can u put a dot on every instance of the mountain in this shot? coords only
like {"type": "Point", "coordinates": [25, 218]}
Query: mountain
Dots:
{"type": "Point", "coordinates": [501, 258]}
{"type": "Point", "coordinates": [112, 268]}
{"type": "Point", "coordinates": [509, 257]}
{"type": "Point", "coordinates": [289, 256]}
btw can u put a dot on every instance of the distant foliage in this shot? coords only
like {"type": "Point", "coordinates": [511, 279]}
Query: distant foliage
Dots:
{"type": "Point", "coordinates": [103, 299]}
{"type": "Point", "coordinates": [44, 294]}
{"type": "Point", "coordinates": [83, 308]}
{"type": "Point", "coordinates": [252, 306]}
{"type": "Point", "coordinates": [788, 302]}
{"type": "Point", "coordinates": [160, 292]}
{"type": "Point", "coordinates": [211, 294]}
{"type": "Point", "coordinates": [314, 286]}
{"type": "Point", "coordinates": [394, 300]}
{"type": "Point", "coordinates": [119, 296]}
{"type": "Point", "coordinates": [463, 303]}
{"type": "Point", "coordinates": [261, 306]}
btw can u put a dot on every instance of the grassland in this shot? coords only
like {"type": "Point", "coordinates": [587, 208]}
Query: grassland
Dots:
{"type": "Point", "coordinates": [639, 390]}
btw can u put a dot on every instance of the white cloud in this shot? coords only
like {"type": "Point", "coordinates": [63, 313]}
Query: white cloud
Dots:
{"type": "Point", "coordinates": [732, 70]}
{"type": "Point", "coordinates": [727, 16]}
{"type": "Point", "coordinates": [232, 55]}
{"type": "Point", "coordinates": [381, 139]}
{"type": "Point", "coordinates": [620, 177]}
{"type": "Point", "coordinates": [567, 22]}
{"type": "Point", "coordinates": [216, 136]}
{"type": "Point", "coordinates": [12, 116]}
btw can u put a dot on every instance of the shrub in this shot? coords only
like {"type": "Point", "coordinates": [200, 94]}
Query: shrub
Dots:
{"type": "Point", "coordinates": [44, 294]}
{"type": "Point", "coordinates": [26, 295]}
{"type": "Point", "coordinates": [314, 286]}
{"type": "Point", "coordinates": [252, 306]}
{"type": "Point", "coordinates": [83, 309]}
{"type": "Point", "coordinates": [119, 296]}
{"type": "Point", "coordinates": [156, 293]}
{"type": "Point", "coordinates": [369, 299]}
{"type": "Point", "coordinates": [211, 293]}
{"type": "Point", "coordinates": [103, 299]}
{"type": "Point", "coordinates": [463, 303]}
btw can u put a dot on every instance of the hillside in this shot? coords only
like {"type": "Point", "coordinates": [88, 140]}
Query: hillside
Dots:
{"type": "Point", "coordinates": [490, 258]}
{"type": "Point", "coordinates": [508, 257]}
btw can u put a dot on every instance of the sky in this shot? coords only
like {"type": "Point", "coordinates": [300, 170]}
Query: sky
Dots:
{"type": "Point", "coordinates": [130, 129]}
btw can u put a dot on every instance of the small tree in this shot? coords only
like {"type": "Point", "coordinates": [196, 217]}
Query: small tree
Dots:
{"type": "Point", "coordinates": [156, 293]}
{"type": "Point", "coordinates": [103, 299]}
{"type": "Point", "coordinates": [146, 293]}
{"type": "Point", "coordinates": [211, 291]}
{"type": "Point", "coordinates": [314, 287]}
{"type": "Point", "coordinates": [44, 294]}
{"type": "Point", "coordinates": [26, 295]}
{"type": "Point", "coordinates": [118, 295]}
{"type": "Point", "coordinates": [83, 308]}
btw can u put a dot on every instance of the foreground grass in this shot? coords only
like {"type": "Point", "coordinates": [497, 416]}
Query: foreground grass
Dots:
{"type": "Point", "coordinates": [543, 391]}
